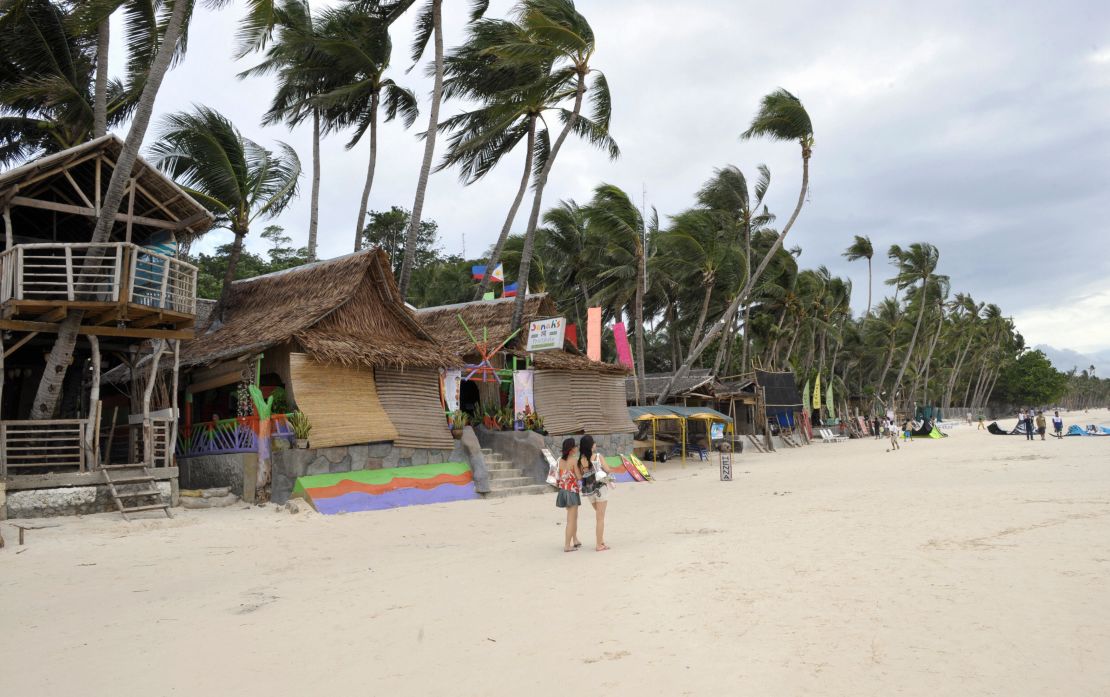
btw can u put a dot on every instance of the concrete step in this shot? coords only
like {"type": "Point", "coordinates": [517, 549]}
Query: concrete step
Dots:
{"type": "Point", "coordinates": [497, 462]}
{"type": "Point", "coordinates": [519, 491]}
{"type": "Point", "coordinates": [511, 482]}
{"type": "Point", "coordinates": [487, 452]}
{"type": "Point", "coordinates": [509, 473]}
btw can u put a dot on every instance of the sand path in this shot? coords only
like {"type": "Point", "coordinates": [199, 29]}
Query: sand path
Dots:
{"type": "Point", "coordinates": [976, 565]}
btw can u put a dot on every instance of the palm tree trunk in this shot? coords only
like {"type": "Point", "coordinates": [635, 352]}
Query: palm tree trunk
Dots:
{"type": "Point", "coordinates": [747, 306]}
{"type": "Point", "coordinates": [928, 362]}
{"type": "Point", "coordinates": [495, 257]}
{"type": "Point", "coordinates": [956, 373]}
{"type": "Point", "coordinates": [314, 205]}
{"type": "Point", "coordinates": [537, 202]}
{"type": "Point", "coordinates": [868, 287]}
{"type": "Point", "coordinates": [49, 390]}
{"type": "Point", "coordinates": [709, 283]}
{"type": "Point", "coordinates": [100, 96]}
{"type": "Point", "coordinates": [429, 150]}
{"type": "Point", "coordinates": [229, 273]}
{"type": "Point", "coordinates": [913, 339]}
{"type": "Point", "coordinates": [743, 294]}
{"type": "Point", "coordinates": [639, 310]}
{"type": "Point", "coordinates": [364, 202]}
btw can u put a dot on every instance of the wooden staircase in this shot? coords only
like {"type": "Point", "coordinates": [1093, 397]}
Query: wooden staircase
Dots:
{"type": "Point", "coordinates": [137, 484]}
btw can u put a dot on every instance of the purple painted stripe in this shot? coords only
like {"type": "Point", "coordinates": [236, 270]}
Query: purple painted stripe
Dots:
{"type": "Point", "coordinates": [622, 477]}
{"type": "Point", "coordinates": [359, 501]}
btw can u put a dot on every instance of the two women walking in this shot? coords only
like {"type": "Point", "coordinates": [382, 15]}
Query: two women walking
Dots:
{"type": "Point", "coordinates": [582, 473]}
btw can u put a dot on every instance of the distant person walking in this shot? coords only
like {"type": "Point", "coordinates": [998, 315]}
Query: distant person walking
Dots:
{"type": "Point", "coordinates": [570, 493]}
{"type": "Point", "coordinates": [875, 428]}
{"type": "Point", "coordinates": [892, 431]}
{"type": "Point", "coordinates": [982, 426]}
{"type": "Point", "coordinates": [1029, 425]}
{"type": "Point", "coordinates": [1041, 424]}
{"type": "Point", "coordinates": [1058, 425]}
{"type": "Point", "coordinates": [969, 418]}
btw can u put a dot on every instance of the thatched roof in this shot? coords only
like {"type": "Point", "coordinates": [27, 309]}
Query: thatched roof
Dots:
{"type": "Point", "coordinates": [697, 380]}
{"type": "Point", "coordinates": [158, 200]}
{"type": "Point", "coordinates": [346, 310]}
{"type": "Point", "coordinates": [495, 317]}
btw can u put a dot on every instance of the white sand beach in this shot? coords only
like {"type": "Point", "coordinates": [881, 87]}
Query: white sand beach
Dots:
{"type": "Point", "coordinates": [975, 565]}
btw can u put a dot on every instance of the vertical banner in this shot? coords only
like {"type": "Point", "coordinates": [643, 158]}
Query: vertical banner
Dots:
{"type": "Point", "coordinates": [449, 385]}
{"type": "Point", "coordinates": [816, 393]}
{"type": "Point", "coordinates": [593, 333]}
{"type": "Point", "coordinates": [624, 351]}
{"type": "Point", "coordinates": [572, 334]}
{"type": "Point", "coordinates": [523, 401]}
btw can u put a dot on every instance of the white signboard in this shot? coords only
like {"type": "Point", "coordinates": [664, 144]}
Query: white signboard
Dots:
{"type": "Point", "coordinates": [546, 334]}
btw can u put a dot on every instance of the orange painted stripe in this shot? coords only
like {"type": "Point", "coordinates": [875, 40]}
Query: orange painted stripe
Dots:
{"type": "Point", "coordinates": [348, 486]}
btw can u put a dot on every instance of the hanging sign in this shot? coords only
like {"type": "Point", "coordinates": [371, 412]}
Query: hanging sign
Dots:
{"type": "Point", "coordinates": [546, 334]}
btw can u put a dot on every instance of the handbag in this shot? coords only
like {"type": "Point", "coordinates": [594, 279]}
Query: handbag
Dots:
{"type": "Point", "coordinates": [600, 475]}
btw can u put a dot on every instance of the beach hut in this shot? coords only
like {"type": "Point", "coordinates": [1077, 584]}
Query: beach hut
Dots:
{"type": "Point", "coordinates": [695, 388]}
{"type": "Point", "coordinates": [331, 339]}
{"type": "Point", "coordinates": [572, 394]}
{"type": "Point", "coordinates": [136, 297]}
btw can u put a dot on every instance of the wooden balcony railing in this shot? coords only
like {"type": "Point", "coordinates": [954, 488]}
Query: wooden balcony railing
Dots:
{"type": "Point", "coordinates": [113, 272]}
{"type": "Point", "coordinates": [54, 445]}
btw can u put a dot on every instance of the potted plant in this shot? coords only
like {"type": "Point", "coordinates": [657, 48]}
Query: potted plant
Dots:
{"type": "Point", "coordinates": [489, 419]}
{"type": "Point", "coordinates": [301, 428]}
{"type": "Point", "coordinates": [458, 421]}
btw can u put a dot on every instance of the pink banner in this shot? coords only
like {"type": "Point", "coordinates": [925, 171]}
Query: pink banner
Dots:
{"type": "Point", "coordinates": [593, 333]}
{"type": "Point", "coordinates": [624, 351]}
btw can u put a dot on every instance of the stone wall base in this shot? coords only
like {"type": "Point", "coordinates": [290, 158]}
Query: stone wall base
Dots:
{"type": "Point", "coordinates": [72, 500]}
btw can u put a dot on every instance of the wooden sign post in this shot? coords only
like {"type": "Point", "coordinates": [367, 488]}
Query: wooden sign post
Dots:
{"type": "Point", "coordinates": [726, 467]}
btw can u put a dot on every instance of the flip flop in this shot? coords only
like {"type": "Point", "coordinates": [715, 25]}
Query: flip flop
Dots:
{"type": "Point", "coordinates": [603, 548]}
{"type": "Point", "coordinates": [577, 545]}
{"type": "Point", "coordinates": [572, 549]}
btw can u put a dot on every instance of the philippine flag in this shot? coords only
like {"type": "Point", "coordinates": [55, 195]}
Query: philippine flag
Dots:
{"type": "Point", "coordinates": [498, 274]}
{"type": "Point", "coordinates": [478, 272]}
{"type": "Point", "coordinates": [510, 290]}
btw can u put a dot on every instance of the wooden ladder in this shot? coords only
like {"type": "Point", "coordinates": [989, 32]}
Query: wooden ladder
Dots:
{"type": "Point", "coordinates": [134, 474]}
{"type": "Point", "coordinates": [756, 444]}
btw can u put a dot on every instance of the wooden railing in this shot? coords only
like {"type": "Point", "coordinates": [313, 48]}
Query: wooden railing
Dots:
{"type": "Point", "coordinates": [58, 444]}
{"type": "Point", "coordinates": [237, 435]}
{"type": "Point", "coordinates": [110, 273]}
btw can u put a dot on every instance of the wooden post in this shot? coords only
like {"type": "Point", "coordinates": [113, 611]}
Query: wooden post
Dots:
{"type": "Point", "coordinates": [8, 243]}
{"type": "Point", "coordinates": [1, 383]}
{"type": "Point", "coordinates": [111, 436]}
{"type": "Point", "coordinates": [148, 435]}
{"type": "Point", "coordinates": [171, 448]}
{"type": "Point", "coordinates": [130, 211]}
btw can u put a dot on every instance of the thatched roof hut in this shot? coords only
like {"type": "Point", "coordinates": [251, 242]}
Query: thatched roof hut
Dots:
{"type": "Point", "coordinates": [349, 352]}
{"type": "Point", "coordinates": [346, 310]}
{"type": "Point", "coordinates": [572, 393]}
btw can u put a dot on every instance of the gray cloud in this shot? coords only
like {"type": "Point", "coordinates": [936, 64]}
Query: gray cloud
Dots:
{"type": "Point", "coordinates": [979, 127]}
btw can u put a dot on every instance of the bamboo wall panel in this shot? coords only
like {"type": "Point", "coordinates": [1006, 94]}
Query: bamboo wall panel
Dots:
{"type": "Point", "coordinates": [555, 397]}
{"type": "Point", "coordinates": [411, 399]}
{"type": "Point", "coordinates": [341, 403]}
{"type": "Point", "coordinates": [614, 404]}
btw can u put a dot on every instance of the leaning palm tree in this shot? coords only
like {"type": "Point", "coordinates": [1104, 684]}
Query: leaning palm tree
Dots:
{"type": "Point", "coordinates": [917, 263]}
{"type": "Point", "coordinates": [357, 49]}
{"type": "Point", "coordinates": [861, 249]}
{"type": "Point", "coordinates": [555, 30]}
{"type": "Point", "coordinates": [781, 116]}
{"type": "Point", "coordinates": [617, 221]}
{"type": "Point", "coordinates": [511, 99]}
{"type": "Point", "coordinates": [174, 20]}
{"type": "Point", "coordinates": [237, 179]}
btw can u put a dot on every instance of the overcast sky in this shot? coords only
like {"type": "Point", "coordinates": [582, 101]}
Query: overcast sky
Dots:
{"type": "Point", "coordinates": [982, 127]}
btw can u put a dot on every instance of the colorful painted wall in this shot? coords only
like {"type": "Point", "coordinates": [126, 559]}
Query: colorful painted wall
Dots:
{"type": "Point", "coordinates": [375, 490]}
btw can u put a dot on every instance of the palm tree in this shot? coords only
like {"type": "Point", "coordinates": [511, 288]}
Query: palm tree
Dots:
{"type": "Point", "coordinates": [781, 116]}
{"type": "Point", "coordinates": [916, 264]}
{"type": "Point", "coordinates": [554, 30]}
{"type": "Point", "coordinates": [236, 178]}
{"type": "Point", "coordinates": [861, 249]}
{"type": "Point", "coordinates": [358, 49]}
{"type": "Point", "coordinates": [512, 98]}
{"type": "Point", "coordinates": [303, 73]}
{"type": "Point", "coordinates": [49, 390]}
{"type": "Point", "coordinates": [47, 99]}
{"type": "Point", "coordinates": [566, 238]}
{"type": "Point", "coordinates": [429, 26]}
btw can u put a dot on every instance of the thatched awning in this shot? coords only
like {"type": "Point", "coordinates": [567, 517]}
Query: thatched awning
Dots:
{"type": "Point", "coordinates": [345, 311]}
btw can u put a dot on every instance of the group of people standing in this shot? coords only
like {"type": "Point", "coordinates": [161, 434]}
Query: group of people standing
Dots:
{"type": "Point", "coordinates": [582, 474]}
{"type": "Point", "coordinates": [1034, 421]}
